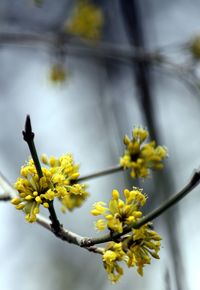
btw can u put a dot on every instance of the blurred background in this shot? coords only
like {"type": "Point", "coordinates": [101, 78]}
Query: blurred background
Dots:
{"type": "Point", "coordinates": [83, 96]}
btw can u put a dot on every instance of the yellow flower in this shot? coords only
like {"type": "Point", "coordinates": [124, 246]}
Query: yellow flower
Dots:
{"type": "Point", "coordinates": [113, 254]}
{"type": "Point", "coordinates": [101, 224]}
{"type": "Point", "coordinates": [143, 244]}
{"type": "Point", "coordinates": [86, 21]}
{"type": "Point", "coordinates": [77, 195]}
{"type": "Point", "coordinates": [135, 248]}
{"type": "Point", "coordinates": [58, 181]}
{"type": "Point", "coordinates": [119, 214]}
{"type": "Point", "coordinates": [58, 74]}
{"type": "Point", "coordinates": [140, 157]}
{"type": "Point", "coordinates": [98, 208]}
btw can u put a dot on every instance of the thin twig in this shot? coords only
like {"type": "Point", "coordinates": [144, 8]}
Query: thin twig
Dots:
{"type": "Point", "coordinates": [68, 236]}
{"type": "Point", "coordinates": [56, 226]}
{"type": "Point", "coordinates": [6, 188]}
{"type": "Point", "coordinates": [110, 170]}
{"type": "Point", "coordinates": [75, 46]}
{"type": "Point", "coordinates": [4, 197]}
{"type": "Point", "coordinates": [183, 72]}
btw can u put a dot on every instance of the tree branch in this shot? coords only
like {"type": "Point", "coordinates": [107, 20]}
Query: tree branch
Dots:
{"type": "Point", "coordinates": [110, 170]}
{"type": "Point", "coordinates": [89, 242]}
{"type": "Point", "coordinates": [4, 197]}
{"type": "Point", "coordinates": [74, 46]}
{"type": "Point", "coordinates": [68, 236]}
{"type": "Point", "coordinates": [195, 180]}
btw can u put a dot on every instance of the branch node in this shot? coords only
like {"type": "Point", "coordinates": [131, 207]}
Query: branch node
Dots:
{"type": "Point", "coordinates": [86, 243]}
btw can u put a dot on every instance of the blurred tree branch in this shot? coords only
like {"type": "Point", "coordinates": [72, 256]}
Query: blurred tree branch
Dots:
{"type": "Point", "coordinates": [74, 46]}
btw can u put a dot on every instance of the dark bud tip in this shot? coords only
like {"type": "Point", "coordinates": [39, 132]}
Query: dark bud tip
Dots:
{"type": "Point", "coordinates": [195, 178]}
{"type": "Point", "coordinates": [27, 133]}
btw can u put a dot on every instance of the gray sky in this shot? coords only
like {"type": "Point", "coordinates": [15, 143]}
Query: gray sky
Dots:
{"type": "Point", "coordinates": [88, 116]}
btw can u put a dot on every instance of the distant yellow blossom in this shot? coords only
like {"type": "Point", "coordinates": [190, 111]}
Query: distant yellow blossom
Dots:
{"type": "Point", "coordinates": [86, 21]}
{"type": "Point", "coordinates": [38, 2]}
{"type": "Point", "coordinates": [58, 181]}
{"type": "Point", "coordinates": [58, 74]}
{"type": "Point", "coordinates": [140, 157]}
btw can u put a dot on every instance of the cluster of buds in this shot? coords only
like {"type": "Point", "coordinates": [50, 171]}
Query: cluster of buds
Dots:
{"type": "Point", "coordinates": [58, 181]}
{"type": "Point", "coordinates": [136, 248]}
{"type": "Point", "coordinates": [140, 157]}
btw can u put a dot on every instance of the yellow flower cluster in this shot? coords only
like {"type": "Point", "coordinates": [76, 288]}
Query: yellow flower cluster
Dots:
{"type": "Point", "coordinates": [143, 244]}
{"type": "Point", "coordinates": [136, 248]}
{"type": "Point", "coordinates": [58, 181]}
{"type": "Point", "coordinates": [119, 213]}
{"type": "Point", "coordinates": [113, 254]}
{"type": "Point", "coordinates": [86, 21]}
{"type": "Point", "coordinates": [58, 74]}
{"type": "Point", "coordinates": [140, 157]}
